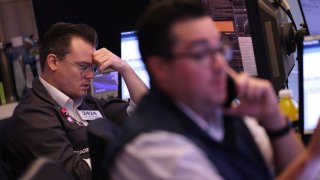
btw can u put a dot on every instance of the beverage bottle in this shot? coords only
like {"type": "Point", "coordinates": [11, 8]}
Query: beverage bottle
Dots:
{"type": "Point", "coordinates": [289, 107]}
{"type": "Point", "coordinates": [6, 76]}
{"type": "Point", "coordinates": [18, 52]}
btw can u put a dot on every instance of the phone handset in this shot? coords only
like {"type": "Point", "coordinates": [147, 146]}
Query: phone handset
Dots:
{"type": "Point", "coordinates": [232, 94]}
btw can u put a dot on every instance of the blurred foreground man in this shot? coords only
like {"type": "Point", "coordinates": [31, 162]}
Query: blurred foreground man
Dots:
{"type": "Point", "coordinates": [182, 128]}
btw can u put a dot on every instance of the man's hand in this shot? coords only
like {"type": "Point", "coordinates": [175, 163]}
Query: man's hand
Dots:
{"type": "Point", "coordinates": [257, 99]}
{"type": "Point", "coordinates": [106, 59]}
{"type": "Point", "coordinates": [313, 149]}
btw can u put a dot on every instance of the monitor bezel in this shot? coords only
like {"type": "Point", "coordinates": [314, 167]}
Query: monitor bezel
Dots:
{"type": "Point", "coordinates": [303, 17]}
{"type": "Point", "coordinates": [305, 135]}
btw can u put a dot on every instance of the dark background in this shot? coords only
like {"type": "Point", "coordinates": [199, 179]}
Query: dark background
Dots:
{"type": "Point", "coordinates": [108, 17]}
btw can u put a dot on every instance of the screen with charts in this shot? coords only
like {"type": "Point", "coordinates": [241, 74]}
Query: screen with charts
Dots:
{"type": "Point", "coordinates": [105, 85]}
{"type": "Point", "coordinates": [310, 9]}
{"type": "Point", "coordinates": [310, 89]}
{"type": "Point", "coordinates": [253, 29]}
{"type": "Point", "coordinates": [231, 18]}
{"type": "Point", "coordinates": [131, 54]}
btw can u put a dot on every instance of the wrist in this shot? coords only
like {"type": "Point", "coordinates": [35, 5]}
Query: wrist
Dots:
{"type": "Point", "coordinates": [274, 122]}
{"type": "Point", "coordinates": [124, 68]}
{"type": "Point", "coordinates": [279, 132]}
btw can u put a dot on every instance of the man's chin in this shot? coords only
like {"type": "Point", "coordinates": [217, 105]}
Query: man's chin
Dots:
{"type": "Point", "coordinates": [83, 93]}
{"type": "Point", "coordinates": [219, 100]}
{"type": "Point", "coordinates": [79, 95]}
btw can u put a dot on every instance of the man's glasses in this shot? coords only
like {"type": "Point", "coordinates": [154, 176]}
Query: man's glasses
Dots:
{"type": "Point", "coordinates": [207, 53]}
{"type": "Point", "coordinates": [84, 68]}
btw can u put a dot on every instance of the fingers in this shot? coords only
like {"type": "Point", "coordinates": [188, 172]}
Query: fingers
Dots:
{"type": "Point", "coordinates": [105, 59]}
{"type": "Point", "coordinates": [101, 55]}
{"type": "Point", "coordinates": [232, 73]}
{"type": "Point", "coordinates": [256, 96]}
{"type": "Point", "coordinates": [105, 65]}
{"type": "Point", "coordinates": [241, 80]}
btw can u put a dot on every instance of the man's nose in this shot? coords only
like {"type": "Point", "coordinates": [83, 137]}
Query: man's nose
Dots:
{"type": "Point", "coordinates": [89, 74]}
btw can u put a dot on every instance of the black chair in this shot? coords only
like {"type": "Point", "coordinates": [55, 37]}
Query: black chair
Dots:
{"type": "Point", "coordinates": [100, 133]}
{"type": "Point", "coordinates": [44, 168]}
{"type": "Point", "coordinates": [4, 125]}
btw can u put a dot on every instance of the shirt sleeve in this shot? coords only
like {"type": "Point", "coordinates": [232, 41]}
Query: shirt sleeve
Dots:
{"type": "Point", "coordinates": [262, 140]}
{"type": "Point", "coordinates": [132, 106]}
{"type": "Point", "coordinates": [163, 155]}
{"type": "Point", "coordinates": [115, 110]}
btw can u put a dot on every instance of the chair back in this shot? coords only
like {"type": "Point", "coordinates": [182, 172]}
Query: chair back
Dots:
{"type": "Point", "coordinates": [4, 125]}
{"type": "Point", "coordinates": [44, 168]}
{"type": "Point", "coordinates": [100, 133]}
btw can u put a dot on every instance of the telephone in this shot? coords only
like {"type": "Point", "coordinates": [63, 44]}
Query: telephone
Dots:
{"type": "Point", "coordinates": [232, 94]}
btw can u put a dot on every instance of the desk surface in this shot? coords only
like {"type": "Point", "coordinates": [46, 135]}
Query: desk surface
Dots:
{"type": "Point", "coordinates": [7, 110]}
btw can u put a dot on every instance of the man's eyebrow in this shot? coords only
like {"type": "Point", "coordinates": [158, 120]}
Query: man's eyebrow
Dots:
{"type": "Point", "coordinates": [200, 42]}
{"type": "Point", "coordinates": [84, 62]}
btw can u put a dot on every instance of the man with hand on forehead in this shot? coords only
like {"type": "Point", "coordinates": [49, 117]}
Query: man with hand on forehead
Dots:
{"type": "Point", "coordinates": [52, 117]}
{"type": "Point", "coordinates": [182, 129]}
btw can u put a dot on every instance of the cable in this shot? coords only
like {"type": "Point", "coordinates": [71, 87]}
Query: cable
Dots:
{"type": "Point", "coordinates": [286, 9]}
{"type": "Point", "coordinates": [286, 4]}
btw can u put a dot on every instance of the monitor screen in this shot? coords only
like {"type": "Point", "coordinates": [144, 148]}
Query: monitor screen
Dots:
{"type": "Point", "coordinates": [231, 19]}
{"type": "Point", "coordinates": [105, 85]}
{"type": "Point", "coordinates": [311, 14]}
{"type": "Point", "coordinates": [253, 29]}
{"type": "Point", "coordinates": [131, 54]}
{"type": "Point", "coordinates": [309, 76]}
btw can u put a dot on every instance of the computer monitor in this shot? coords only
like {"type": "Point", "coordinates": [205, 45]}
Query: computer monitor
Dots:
{"type": "Point", "coordinates": [131, 54]}
{"type": "Point", "coordinates": [253, 29]}
{"type": "Point", "coordinates": [309, 81]}
{"type": "Point", "coordinates": [232, 20]}
{"type": "Point", "coordinates": [105, 85]}
{"type": "Point", "coordinates": [310, 13]}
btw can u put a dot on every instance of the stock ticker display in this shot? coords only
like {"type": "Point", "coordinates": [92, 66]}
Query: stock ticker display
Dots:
{"type": "Point", "coordinates": [231, 18]}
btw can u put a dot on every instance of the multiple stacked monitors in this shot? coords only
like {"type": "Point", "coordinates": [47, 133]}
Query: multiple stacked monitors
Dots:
{"type": "Point", "coordinates": [105, 85]}
{"type": "Point", "coordinates": [309, 74]}
{"type": "Point", "coordinates": [253, 29]}
{"type": "Point", "coordinates": [231, 18]}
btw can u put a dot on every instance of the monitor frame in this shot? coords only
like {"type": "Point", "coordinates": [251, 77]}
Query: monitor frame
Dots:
{"type": "Point", "coordinates": [145, 78]}
{"type": "Point", "coordinates": [303, 16]}
{"type": "Point", "coordinates": [305, 135]}
{"type": "Point", "coordinates": [105, 94]}
{"type": "Point", "coordinates": [272, 61]}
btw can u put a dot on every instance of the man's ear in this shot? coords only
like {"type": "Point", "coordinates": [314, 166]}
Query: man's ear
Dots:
{"type": "Point", "coordinates": [51, 62]}
{"type": "Point", "coordinates": [158, 67]}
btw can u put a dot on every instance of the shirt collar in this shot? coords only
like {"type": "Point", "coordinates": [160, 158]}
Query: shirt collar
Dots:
{"type": "Point", "coordinates": [214, 127]}
{"type": "Point", "coordinates": [62, 99]}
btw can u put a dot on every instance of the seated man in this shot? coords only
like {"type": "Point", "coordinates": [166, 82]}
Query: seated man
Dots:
{"type": "Point", "coordinates": [181, 129]}
{"type": "Point", "coordinates": [51, 118]}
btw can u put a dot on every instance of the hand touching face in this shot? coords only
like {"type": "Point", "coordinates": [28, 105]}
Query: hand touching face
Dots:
{"type": "Point", "coordinates": [257, 99]}
{"type": "Point", "coordinates": [106, 59]}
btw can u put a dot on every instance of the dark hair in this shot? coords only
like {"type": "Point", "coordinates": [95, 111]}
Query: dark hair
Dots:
{"type": "Point", "coordinates": [57, 39]}
{"type": "Point", "coordinates": [155, 25]}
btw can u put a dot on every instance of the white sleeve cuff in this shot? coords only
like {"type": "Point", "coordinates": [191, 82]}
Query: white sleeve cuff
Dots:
{"type": "Point", "coordinates": [132, 106]}
{"type": "Point", "coordinates": [88, 161]}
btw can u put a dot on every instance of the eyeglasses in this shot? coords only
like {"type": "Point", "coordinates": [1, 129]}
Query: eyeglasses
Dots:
{"type": "Point", "coordinates": [84, 68]}
{"type": "Point", "coordinates": [206, 53]}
